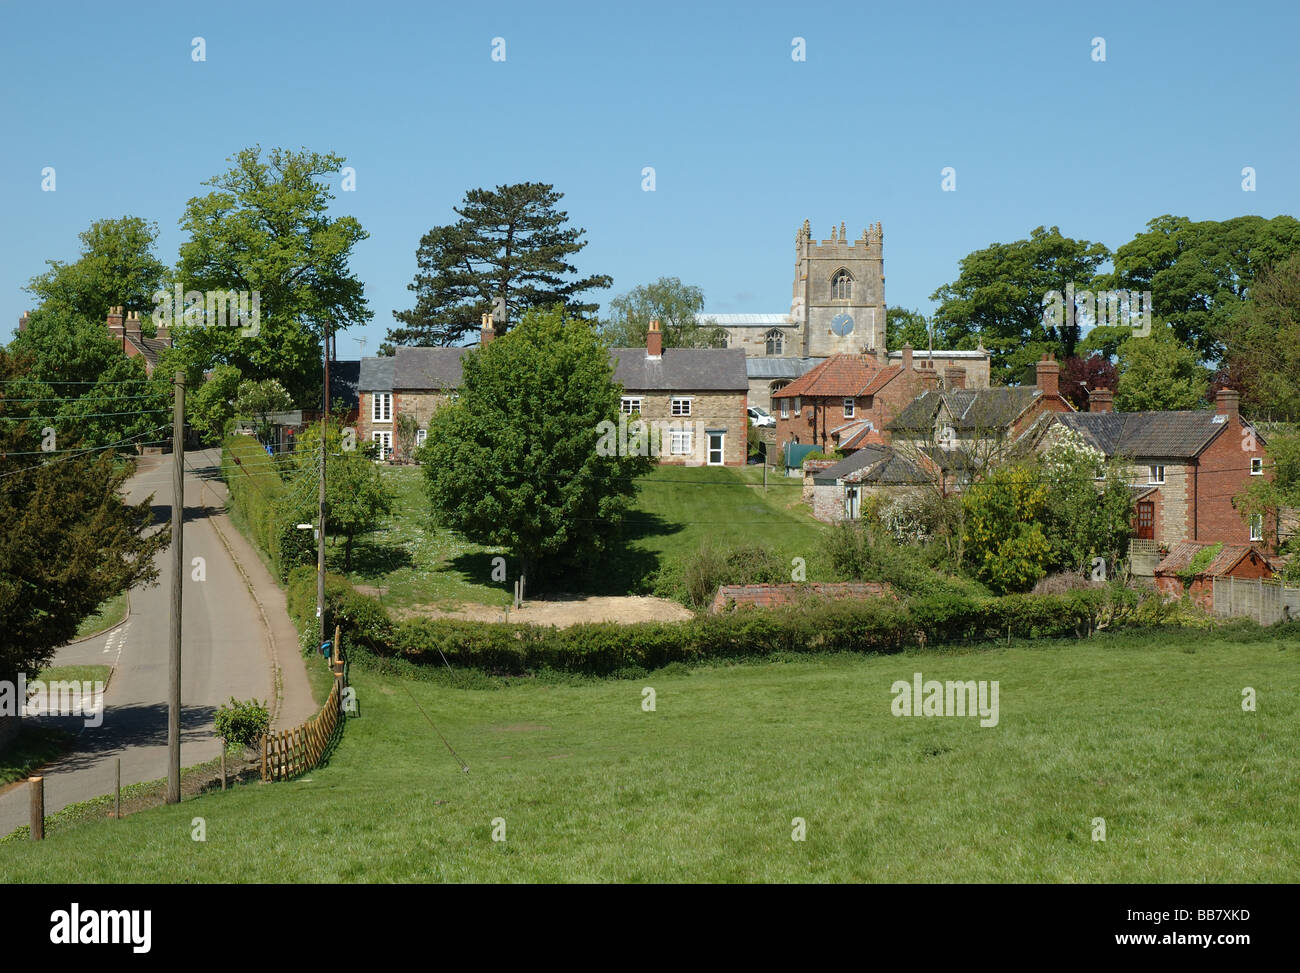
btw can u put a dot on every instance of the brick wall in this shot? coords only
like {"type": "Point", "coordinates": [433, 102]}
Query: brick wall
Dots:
{"type": "Point", "coordinates": [1222, 471]}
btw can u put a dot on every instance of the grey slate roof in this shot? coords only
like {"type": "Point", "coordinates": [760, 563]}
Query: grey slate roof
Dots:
{"type": "Point", "coordinates": [681, 369]}
{"type": "Point", "coordinates": [376, 375]}
{"type": "Point", "coordinates": [871, 464]}
{"type": "Point", "coordinates": [971, 409]}
{"type": "Point", "coordinates": [1141, 434]}
{"type": "Point", "coordinates": [780, 367]}
{"type": "Point", "coordinates": [427, 368]}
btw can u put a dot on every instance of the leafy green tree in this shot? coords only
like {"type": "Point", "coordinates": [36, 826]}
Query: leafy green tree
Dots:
{"type": "Point", "coordinates": [1199, 273]}
{"type": "Point", "coordinates": [266, 229]}
{"type": "Point", "coordinates": [999, 293]}
{"type": "Point", "coordinates": [78, 382]}
{"type": "Point", "coordinates": [1088, 509]}
{"type": "Point", "coordinates": [516, 460]}
{"type": "Point", "coordinates": [676, 306]}
{"type": "Point", "coordinates": [1263, 343]}
{"type": "Point", "coordinates": [510, 249]}
{"type": "Point", "coordinates": [210, 408]}
{"type": "Point", "coordinates": [117, 266]}
{"type": "Point", "coordinates": [68, 541]}
{"type": "Point", "coordinates": [357, 497]}
{"type": "Point", "coordinates": [1158, 373]}
{"type": "Point", "coordinates": [1004, 539]}
{"type": "Point", "coordinates": [258, 401]}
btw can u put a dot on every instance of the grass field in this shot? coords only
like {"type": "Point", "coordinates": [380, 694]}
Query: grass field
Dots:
{"type": "Point", "coordinates": [109, 614]}
{"type": "Point", "coordinates": [36, 746]}
{"type": "Point", "coordinates": [677, 510]}
{"type": "Point", "coordinates": [1147, 732]}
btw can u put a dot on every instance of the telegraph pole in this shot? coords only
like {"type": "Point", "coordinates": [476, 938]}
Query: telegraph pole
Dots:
{"type": "Point", "coordinates": [320, 541]}
{"type": "Point", "coordinates": [178, 572]}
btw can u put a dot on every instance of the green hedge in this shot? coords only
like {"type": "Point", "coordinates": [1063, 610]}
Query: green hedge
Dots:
{"type": "Point", "coordinates": [259, 505]}
{"type": "Point", "coordinates": [834, 626]}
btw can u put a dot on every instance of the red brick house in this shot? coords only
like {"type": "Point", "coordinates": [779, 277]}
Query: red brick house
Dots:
{"type": "Point", "coordinates": [126, 331]}
{"type": "Point", "coordinates": [1185, 469]}
{"type": "Point", "coordinates": [1230, 561]}
{"type": "Point", "coordinates": [848, 400]}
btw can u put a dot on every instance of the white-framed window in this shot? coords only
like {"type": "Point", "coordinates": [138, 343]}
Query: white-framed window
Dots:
{"type": "Point", "coordinates": [385, 441]}
{"type": "Point", "coordinates": [848, 408]}
{"type": "Point", "coordinates": [1256, 466]}
{"type": "Point", "coordinates": [785, 408]}
{"type": "Point", "coordinates": [630, 404]}
{"type": "Point", "coordinates": [775, 342]}
{"type": "Point", "coordinates": [382, 410]}
{"type": "Point", "coordinates": [681, 406]}
{"type": "Point", "coordinates": [797, 403]}
{"type": "Point", "coordinates": [421, 436]}
{"type": "Point", "coordinates": [842, 286]}
{"type": "Point", "coordinates": [1256, 527]}
{"type": "Point", "coordinates": [1156, 475]}
{"type": "Point", "coordinates": [679, 443]}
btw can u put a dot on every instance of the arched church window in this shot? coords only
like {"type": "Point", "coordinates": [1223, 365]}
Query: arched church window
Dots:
{"type": "Point", "coordinates": [842, 286]}
{"type": "Point", "coordinates": [775, 342]}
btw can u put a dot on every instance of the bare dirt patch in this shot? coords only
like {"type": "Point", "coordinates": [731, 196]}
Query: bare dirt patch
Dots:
{"type": "Point", "coordinates": [561, 611]}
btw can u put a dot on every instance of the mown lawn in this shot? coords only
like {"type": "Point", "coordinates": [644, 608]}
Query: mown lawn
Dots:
{"type": "Point", "coordinates": [677, 510]}
{"type": "Point", "coordinates": [1147, 732]}
{"type": "Point", "coordinates": [109, 614]}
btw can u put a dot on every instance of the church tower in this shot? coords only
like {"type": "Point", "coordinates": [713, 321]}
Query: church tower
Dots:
{"type": "Point", "coordinates": [839, 293]}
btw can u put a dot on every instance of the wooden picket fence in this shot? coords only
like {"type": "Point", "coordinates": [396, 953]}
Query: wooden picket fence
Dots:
{"type": "Point", "coordinates": [292, 752]}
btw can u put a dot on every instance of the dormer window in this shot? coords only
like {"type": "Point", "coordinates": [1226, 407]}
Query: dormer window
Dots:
{"type": "Point", "coordinates": [775, 342]}
{"type": "Point", "coordinates": [842, 286]}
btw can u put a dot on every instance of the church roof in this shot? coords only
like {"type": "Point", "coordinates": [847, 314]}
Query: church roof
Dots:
{"type": "Point", "coordinates": [746, 320]}
{"type": "Point", "coordinates": [759, 367]}
{"type": "Point", "coordinates": [846, 376]}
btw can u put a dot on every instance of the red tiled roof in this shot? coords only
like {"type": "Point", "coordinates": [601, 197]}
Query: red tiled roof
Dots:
{"type": "Point", "coordinates": [1181, 555]}
{"type": "Point", "coordinates": [842, 376]}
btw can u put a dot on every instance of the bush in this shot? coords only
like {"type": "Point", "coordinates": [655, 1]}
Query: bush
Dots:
{"type": "Point", "coordinates": [711, 567]}
{"type": "Point", "coordinates": [242, 722]}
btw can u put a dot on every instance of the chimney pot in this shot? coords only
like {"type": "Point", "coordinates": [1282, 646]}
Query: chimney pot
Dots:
{"type": "Point", "coordinates": [1101, 400]}
{"type": "Point", "coordinates": [1049, 376]}
{"type": "Point", "coordinates": [654, 340]}
{"type": "Point", "coordinates": [488, 331]}
{"type": "Point", "coordinates": [115, 321]}
{"type": "Point", "coordinates": [1227, 402]}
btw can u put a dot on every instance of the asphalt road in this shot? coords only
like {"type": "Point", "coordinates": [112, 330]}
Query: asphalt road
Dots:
{"type": "Point", "coordinates": [226, 650]}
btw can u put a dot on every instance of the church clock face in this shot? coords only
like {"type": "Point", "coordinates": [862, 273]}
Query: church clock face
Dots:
{"type": "Point", "coordinates": [842, 324]}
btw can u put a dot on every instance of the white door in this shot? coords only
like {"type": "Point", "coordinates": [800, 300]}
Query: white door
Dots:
{"type": "Point", "coordinates": [715, 448]}
{"type": "Point", "coordinates": [851, 503]}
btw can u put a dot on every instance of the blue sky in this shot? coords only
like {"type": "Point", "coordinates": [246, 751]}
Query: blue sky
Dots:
{"type": "Point", "coordinates": [746, 142]}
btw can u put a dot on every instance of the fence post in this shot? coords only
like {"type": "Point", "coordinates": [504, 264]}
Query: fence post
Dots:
{"type": "Point", "coordinates": [117, 791]}
{"type": "Point", "coordinates": [263, 756]}
{"type": "Point", "coordinates": [38, 808]}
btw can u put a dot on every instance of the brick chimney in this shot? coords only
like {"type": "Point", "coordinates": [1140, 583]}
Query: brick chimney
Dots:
{"type": "Point", "coordinates": [929, 377]}
{"type": "Point", "coordinates": [1049, 375]}
{"type": "Point", "coordinates": [115, 322]}
{"type": "Point", "coordinates": [133, 325]}
{"type": "Point", "coordinates": [488, 331]}
{"type": "Point", "coordinates": [22, 322]}
{"type": "Point", "coordinates": [1227, 402]}
{"type": "Point", "coordinates": [907, 357]}
{"type": "Point", "coordinates": [654, 341]}
{"type": "Point", "coordinates": [954, 377]}
{"type": "Point", "coordinates": [1101, 400]}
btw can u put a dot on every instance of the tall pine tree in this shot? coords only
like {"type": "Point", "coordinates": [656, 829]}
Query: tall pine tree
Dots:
{"type": "Point", "coordinates": [509, 251]}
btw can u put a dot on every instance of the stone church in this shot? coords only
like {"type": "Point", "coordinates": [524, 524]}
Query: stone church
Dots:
{"type": "Point", "coordinates": [837, 307]}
